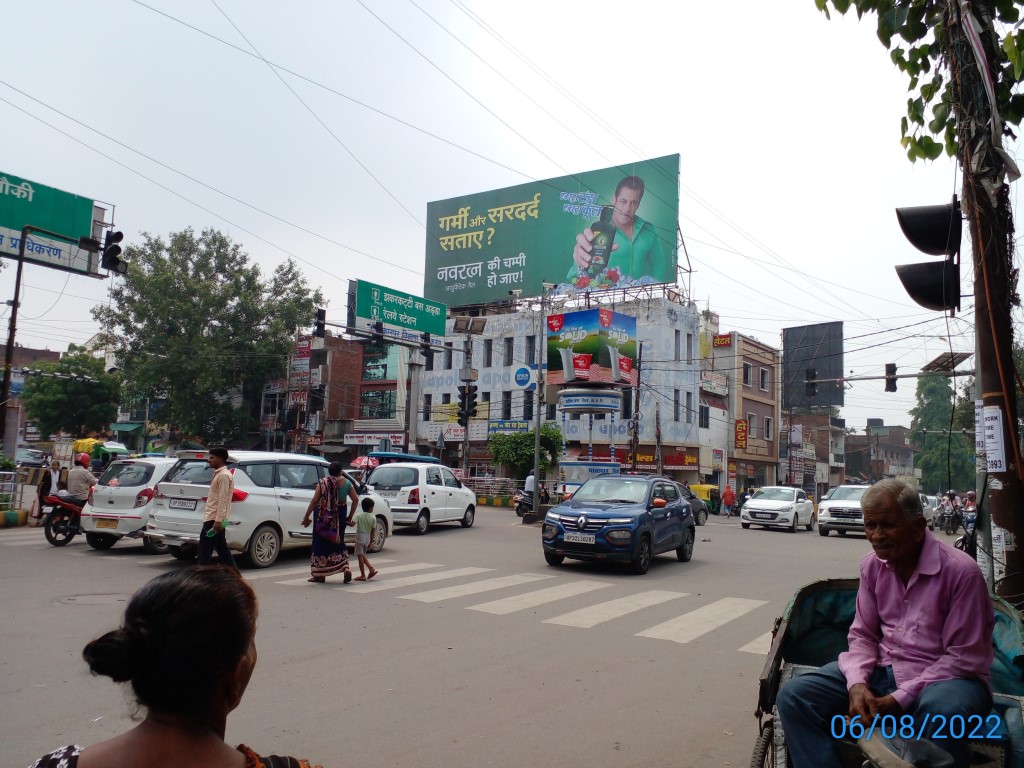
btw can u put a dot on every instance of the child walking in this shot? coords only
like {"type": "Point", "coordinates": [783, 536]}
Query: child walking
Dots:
{"type": "Point", "coordinates": [365, 523]}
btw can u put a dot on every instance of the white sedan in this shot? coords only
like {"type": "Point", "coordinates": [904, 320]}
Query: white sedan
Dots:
{"type": "Point", "coordinates": [778, 506]}
{"type": "Point", "coordinates": [421, 494]}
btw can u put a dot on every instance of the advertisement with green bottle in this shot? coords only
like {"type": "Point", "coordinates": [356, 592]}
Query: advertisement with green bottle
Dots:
{"type": "Point", "coordinates": [598, 230]}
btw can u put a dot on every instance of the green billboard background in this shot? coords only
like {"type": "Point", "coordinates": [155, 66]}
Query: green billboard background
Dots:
{"type": "Point", "coordinates": [484, 246]}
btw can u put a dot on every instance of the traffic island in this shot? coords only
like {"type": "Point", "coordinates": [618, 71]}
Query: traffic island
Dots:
{"type": "Point", "coordinates": [538, 517]}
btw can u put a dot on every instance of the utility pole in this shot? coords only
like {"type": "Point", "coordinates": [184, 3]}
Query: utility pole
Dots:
{"type": "Point", "coordinates": [467, 378]}
{"type": "Point", "coordinates": [635, 444]}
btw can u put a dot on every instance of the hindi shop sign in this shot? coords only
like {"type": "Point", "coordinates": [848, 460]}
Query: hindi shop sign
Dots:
{"type": "Point", "coordinates": [481, 247]}
{"type": "Point", "coordinates": [377, 304]}
{"type": "Point", "coordinates": [26, 203]}
{"type": "Point", "coordinates": [741, 434]}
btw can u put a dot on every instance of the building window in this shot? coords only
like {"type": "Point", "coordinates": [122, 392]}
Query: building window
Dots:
{"type": "Point", "coordinates": [689, 348]}
{"type": "Point", "coordinates": [377, 404]}
{"type": "Point", "coordinates": [704, 417]}
{"type": "Point", "coordinates": [531, 350]}
{"type": "Point", "coordinates": [506, 404]}
{"type": "Point", "coordinates": [446, 399]}
{"type": "Point", "coordinates": [676, 347]}
{"type": "Point", "coordinates": [488, 353]}
{"type": "Point", "coordinates": [751, 425]}
{"type": "Point", "coordinates": [764, 379]}
{"type": "Point", "coordinates": [509, 343]}
{"type": "Point", "coordinates": [428, 401]}
{"type": "Point", "coordinates": [769, 428]}
{"type": "Point", "coordinates": [689, 407]}
{"type": "Point", "coordinates": [748, 373]}
{"type": "Point", "coordinates": [447, 356]}
{"type": "Point", "coordinates": [528, 405]}
{"type": "Point", "coordinates": [552, 413]}
{"type": "Point", "coordinates": [675, 405]}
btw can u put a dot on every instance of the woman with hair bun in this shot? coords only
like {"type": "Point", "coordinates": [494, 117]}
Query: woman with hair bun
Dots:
{"type": "Point", "coordinates": [187, 647]}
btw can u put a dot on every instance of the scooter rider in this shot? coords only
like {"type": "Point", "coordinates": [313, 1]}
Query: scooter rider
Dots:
{"type": "Point", "coordinates": [80, 480]}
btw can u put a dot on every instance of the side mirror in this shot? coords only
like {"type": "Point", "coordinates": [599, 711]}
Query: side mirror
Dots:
{"type": "Point", "coordinates": [659, 504]}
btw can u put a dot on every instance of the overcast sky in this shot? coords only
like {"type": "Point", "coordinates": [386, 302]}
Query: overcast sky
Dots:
{"type": "Point", "coordinates": [787, 125]}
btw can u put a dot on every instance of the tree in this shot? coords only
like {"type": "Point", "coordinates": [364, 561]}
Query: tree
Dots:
{"type": "Point", "coordinates": [515, 450]}
{"type": "Point", "coordinates": [69, 404]}
{"type": "Point", "coordinates": [944, 457]}
{"type": "Point", "coordinates": [197, 328]}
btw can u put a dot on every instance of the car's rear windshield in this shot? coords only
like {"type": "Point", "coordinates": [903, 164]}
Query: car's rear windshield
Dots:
{"type": "Point", "coordinates": [127, 474]}
{"type": "Point", "coordinates": [775, 494]}
{"type": "Point", "coordinates": [613, 489]}
{"type": "Point", "coordinates": [192, 471]}
{"type": "Point", "coordinates": [843, 493]}
{"type": "Point", "coordinates": [392, 478]}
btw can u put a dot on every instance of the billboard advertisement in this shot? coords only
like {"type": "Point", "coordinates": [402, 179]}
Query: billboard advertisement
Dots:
{"type": "Point", "coordinates": [819, 347]}
{"type": "Point", "coordinates": [609, 228]}
{"type": "Point", "coordinates": [592, 346]}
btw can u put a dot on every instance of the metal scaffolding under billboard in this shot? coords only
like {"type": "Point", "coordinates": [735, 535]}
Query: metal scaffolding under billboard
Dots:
{"type": "Point", "coordinates": [819, 348]}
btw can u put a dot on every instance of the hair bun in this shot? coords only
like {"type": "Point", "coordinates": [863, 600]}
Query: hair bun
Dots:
{"type": "Point", "coordinates": [119, 653]}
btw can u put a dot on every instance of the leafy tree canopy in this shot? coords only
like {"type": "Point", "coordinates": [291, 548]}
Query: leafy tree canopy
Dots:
{"type": "Point", "coordinates": [515, 450]}
{"type": "Point", "coordinates": [198, 327]}
{"type": "Point", "coordinates": [76, 407]}
{"type": "Point", "coordinates": [944, 458]}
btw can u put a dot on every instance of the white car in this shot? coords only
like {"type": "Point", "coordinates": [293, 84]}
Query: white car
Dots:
{"type": "Point", "coordinates": [778, 506]}
{"type": "Point", "coordinates": [272, 492]}
{"type": "Point", "coordinates": [421, 494]}
{"type": "Point", "coordinates": [841, 510]}
{"type": "Point", "coordinates": [120, 503]}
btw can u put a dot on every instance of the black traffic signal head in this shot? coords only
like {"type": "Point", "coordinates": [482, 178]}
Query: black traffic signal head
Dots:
{"type": "Point", "coordinates": [890, 377]}
{"type": "Point", "coordinates": [320, 330]}
{"type": "Point", "coordinates": [425, 348]}
{"type": "Point", "coordinates": [811, 389]}
{"type": "Point", "coordinates": [110, 260]}
{"type": "Point", "coordinates": [935, 230]}
{"type": "Point", "coordinates": [471, 390]}
{"type": "Point", "coordinates": [377, 329]}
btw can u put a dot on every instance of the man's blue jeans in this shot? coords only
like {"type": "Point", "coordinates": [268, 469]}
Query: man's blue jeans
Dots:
{"type": "Point", "coordinates": [808, 702]}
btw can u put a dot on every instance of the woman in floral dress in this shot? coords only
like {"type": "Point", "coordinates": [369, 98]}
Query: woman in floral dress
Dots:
{"type": "Point", "coordinates": [330, 554]}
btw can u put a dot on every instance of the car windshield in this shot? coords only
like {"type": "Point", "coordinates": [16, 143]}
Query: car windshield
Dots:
{"type": "Point", "coordinates": [127, 474]}
{"type": "Point", "coordinates": [848, 493]}
{"type": "Point", "coordinates": [192, 471]}
{"type": "Point", "coordinates": [775, 494]}
{"type": "Point", "coordinates": [388, 476]}
{"type": "Point", "coordinates": [623, 490]}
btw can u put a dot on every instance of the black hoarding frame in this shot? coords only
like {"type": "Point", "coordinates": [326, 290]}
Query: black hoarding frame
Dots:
{"type": "Point", "coordinates": [818, 347]}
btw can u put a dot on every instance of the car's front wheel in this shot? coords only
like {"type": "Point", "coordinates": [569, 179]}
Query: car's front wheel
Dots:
{"type": "Point", "coordinates": [822, 531]}
{"type": "Point", "coordinates": [744, 525]}
{"type": "Point", "coordinates": [685, 551]}
{"type": "Point", "coordinates": [468, 518]}
{"type": "Point", "coordinates": [796, 523]}
{"type": "Point", "coordinates": [642, 559]}
{"type": "Point", "coordinates": [811, 522]}
{"type": "Point", "coordinates": [380, 533]}
{"type": "Point", "coordinates": [264, 546]}
{"type": "Point", "coordinates": [553, 559]}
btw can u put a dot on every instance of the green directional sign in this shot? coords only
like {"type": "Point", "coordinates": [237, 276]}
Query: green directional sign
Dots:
{"type": "Point", "coordinates": [25, 203]}
{"type": "Point", "coordinates": [377, 304]}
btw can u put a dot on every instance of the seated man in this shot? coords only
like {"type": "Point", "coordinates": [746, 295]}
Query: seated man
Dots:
{"type": "Point", "coordinates": [920, 644]}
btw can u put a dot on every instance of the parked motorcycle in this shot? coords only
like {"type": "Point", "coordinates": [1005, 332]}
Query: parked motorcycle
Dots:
{"type": "Point", "coordinates": [523, 500]}
{"type": "Point", "coordinates": [63, 521]}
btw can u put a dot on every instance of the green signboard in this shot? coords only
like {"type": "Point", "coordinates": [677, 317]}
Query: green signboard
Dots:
{"type": "Point", "coordinates": [401, 313]}
{"type": "Point", "coordinates": [26, 203]}
{"type": "Point", "coordinates": [610, 228]}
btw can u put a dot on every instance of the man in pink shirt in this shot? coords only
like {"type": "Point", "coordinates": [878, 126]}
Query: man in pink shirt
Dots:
{"type": "Point", "coordinates": [920, 644]}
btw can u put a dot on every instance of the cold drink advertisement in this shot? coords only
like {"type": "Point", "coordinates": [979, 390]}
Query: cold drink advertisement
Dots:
{"type": "Point", "coordinates": [592, 346]}
{"type": "Point", "coordinates": [603, 229]}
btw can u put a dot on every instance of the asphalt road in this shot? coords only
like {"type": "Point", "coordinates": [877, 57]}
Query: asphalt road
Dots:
{"type": "Point", "coordinates": [467, 650]}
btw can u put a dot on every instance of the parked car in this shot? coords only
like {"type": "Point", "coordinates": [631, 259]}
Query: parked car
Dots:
{"type": "Point", "coordinates": [272, 492]}
{"type": "Point", "coordinates": [779, 506]}
{"type": "Point", "coordinates": [930, 505]}
{"type": "Point", "coordinates": [421, 494]}
{"type": "Point", "coordinates": [620, 518]}
{"type": "Point", "coordinates": [30, 457]}
{"type": "Point", "coordinates": [120, 503]}
{"type": "Point", "coordinates": [841, 511]}
{"type": "Point", "coordinates": [698, 507]}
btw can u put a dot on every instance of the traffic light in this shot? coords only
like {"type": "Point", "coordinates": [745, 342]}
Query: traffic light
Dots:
{"type": "Point", "coordinates": [321, 322]}
{"type": "Point", "coordinates": [890, 377]}
{"type": "Point", "coordinates": [317, 398]}
{"type": "Point", "coordinates": [110, 260]}
{"type": "Point", "coordinates": [467, 403]}
{"type": "Point", "coordinates": [935, 230]}
{"type": "Point", "coordinates": [811, 389]}
{"type": "Point", "coordinates": [377, 329]}
{"type": "Point", "coordinates": [425, 348]}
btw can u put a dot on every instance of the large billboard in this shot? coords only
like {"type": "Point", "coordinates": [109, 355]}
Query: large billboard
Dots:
{"type": "Point", "coordinates": [610, 228]}
{"type": "Point", "coordinates": [819, 347]}
{"type": "Point", "coordinates": [592, 346]}
{"type": "Point", "coordinates": [28, 203]}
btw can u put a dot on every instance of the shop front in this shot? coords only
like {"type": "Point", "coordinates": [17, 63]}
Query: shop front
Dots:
{"type": "Point", "coordinates": [678, 462]}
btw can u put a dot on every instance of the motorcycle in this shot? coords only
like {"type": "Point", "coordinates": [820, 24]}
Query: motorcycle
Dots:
{"type": "Point", "coordinates": [523, 500]}
{"type": "Point", "coordinates": [63, 521]}
{"type": "Point", "coordinates": [970, 519]}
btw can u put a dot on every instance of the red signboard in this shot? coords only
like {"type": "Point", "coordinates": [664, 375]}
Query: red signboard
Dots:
{"type": "Point", "coordinates": [721, 340]}
{"type": "Point", "coordinates": [741, 434]}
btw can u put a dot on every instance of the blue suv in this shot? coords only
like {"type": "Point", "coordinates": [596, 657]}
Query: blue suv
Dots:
{"type": "Point", "coordinates": [621, 518]}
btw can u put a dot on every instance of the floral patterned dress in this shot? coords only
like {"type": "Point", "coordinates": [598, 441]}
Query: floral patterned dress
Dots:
{"type": "Point", "coordinates": [328, 557]}
{"type": "Point", "coordinates": [67, 757]}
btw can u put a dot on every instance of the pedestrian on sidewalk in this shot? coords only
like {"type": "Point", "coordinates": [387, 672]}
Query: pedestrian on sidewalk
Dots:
{"type": "Point", "coordinates": [728, 500]}
{"type": "Point", "coordinates": [330, 554]}
{"type": "Point", "coordinates": [218, 507]}
{"type": "Point", "coordinates": [366, 521]}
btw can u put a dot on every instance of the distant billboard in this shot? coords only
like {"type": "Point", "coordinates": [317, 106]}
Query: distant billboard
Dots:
{"type": "Point", "coordinates": [609, 228]}
{"type": "Point", "coordinates": [592, 346]}
{"type": "Point", "coordinates": [819, 347]}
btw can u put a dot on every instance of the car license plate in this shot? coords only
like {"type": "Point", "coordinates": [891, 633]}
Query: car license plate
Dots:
{"type": "Point", "coordinates": [762, 516]}
{"type": "Point", "coordinates": [388, 494]}
{"type": "Point", "coordinates": [182, 504]}
{"type": "Point", "coordinates": [104, 523]}
{"type": "Point", "coordinates": [579, 538]}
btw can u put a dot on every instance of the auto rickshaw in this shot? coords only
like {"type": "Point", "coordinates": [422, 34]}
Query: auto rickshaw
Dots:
{"type": "Point", "coordinates": [710, 495]}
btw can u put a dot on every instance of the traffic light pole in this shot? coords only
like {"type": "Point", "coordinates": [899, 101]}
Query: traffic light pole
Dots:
{"type": "Point", "coordinates": [467, 356]}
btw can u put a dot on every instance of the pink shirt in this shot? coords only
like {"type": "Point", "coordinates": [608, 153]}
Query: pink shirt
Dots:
{"type": "Point", "coordinates": [937, 627]}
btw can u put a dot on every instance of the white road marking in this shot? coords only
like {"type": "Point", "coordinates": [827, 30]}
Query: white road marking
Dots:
{"type": "Point", "coordinates": [339, 577]}
{"type": "Point", "coordinates": [275, 572]}
{"type": "Point", "coordinates": [760, 646]}
{"type": "Point", "coordinates": [613, 609]}
{"type": "Point", "coordinates": [409, 581]}
{"type": "Point", "coordinates": [538, 597]}
{"type": "Point", "coordinates": [692, 625]}
{"type": "Point", "coordinates": [475, 587]}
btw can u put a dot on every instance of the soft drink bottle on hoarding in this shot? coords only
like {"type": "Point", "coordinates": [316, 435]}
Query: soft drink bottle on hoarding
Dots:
{"type": "Point", "coordinates": [601, 245]}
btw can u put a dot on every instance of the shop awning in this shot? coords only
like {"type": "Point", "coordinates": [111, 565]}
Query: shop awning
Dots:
{"type": "Point", "coordinates": [125, 426]}
{"type": "Point", "coordinates": [714, 401]}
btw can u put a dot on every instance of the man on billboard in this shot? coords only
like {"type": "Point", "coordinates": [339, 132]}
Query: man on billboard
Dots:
{"type": "Point", "coordinates": [621, 244]}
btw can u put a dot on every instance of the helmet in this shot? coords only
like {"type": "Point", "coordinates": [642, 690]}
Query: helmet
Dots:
{"type": "Point", "coordinates": [972, 495]}
{"type": "Point", "coordinates": [83, 459]}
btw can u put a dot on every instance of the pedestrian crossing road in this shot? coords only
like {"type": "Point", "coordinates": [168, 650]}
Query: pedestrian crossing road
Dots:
{"type": "Point", "coordinates": [578, 603]}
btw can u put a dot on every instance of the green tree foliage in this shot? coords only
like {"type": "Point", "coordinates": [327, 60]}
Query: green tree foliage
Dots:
{"type": "Point", "coordinates": [945, 459]}
{"type": "Point", "coordinates": [76, 407]}
{"type": "Point", "coordinates": [514, 451]}
{"type": "Point", "coordinates": [915, 32]}
{"type": "Point", "coordinates": [199, 328]}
